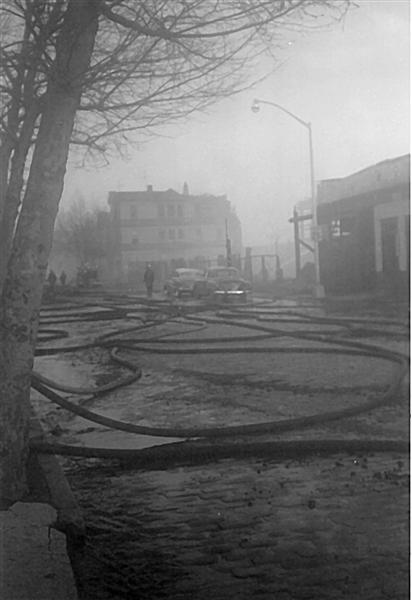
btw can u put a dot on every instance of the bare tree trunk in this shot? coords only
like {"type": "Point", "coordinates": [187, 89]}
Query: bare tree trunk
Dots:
{"type": "Point", "coordinates": [6, 149]}
{"type": "Point", "coordinates": [10, 134]}
{"type": "Point", "coordinates": [27, 265]}
{"type": "Point", "coordinates": [13, 190]}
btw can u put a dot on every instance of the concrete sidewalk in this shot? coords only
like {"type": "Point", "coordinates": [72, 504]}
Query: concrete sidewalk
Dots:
{"type": "Point", "coordinates": [34, 560]}
{"type": "Point", "coordinates": [34, 564]}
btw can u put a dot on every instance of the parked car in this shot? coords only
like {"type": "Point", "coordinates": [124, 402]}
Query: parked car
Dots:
{"type": "Point", "coordinates": [222, 283]}
{"type": "Point", "coordinates": [182, 282]}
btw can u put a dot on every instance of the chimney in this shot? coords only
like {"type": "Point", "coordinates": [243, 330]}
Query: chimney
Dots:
{"type": "Point", "coordinates": [150, 188]}
{"type": "Point", "coordinates": [185, 189]}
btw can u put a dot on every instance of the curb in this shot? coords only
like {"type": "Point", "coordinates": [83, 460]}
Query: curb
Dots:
{"type": "Point", "coordinates": [46, 477]}
{"type": "Point", "coordinates": [69, 517]}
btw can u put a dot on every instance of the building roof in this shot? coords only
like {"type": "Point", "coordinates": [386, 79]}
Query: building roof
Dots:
{"type": "Point", "coordinates": [159, 195]}
{"type": "Point", "coordinates": [386, 174]}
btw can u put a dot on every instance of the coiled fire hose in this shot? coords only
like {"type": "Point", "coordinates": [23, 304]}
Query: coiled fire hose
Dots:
{"type": "Point", "coordinates": [44, 386]}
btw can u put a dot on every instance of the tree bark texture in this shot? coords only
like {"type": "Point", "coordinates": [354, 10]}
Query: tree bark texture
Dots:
{"type": "Point", "coordinates": [22, 292]}
{"type": "Point", "coordinates": [14, 190]}
{"type": "Point", "coordinates": [10, 135]}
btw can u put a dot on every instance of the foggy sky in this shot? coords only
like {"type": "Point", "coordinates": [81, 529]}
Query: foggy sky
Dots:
{"type": "Point", "coordinates": [351, 82]}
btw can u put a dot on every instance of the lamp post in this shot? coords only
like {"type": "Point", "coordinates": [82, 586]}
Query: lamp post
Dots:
{"type": "Point", "coordinates": [319, 290]}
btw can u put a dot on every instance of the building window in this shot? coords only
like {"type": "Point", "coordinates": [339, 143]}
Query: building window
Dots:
{"type": "Point", "coordinates": [161, 211]}
{"type": "Point", "coordinates": [179, 210]}
{"type": "Point", "coordinates": [335, 228]}
{"type": "Point", "coordinates": [180, 234]}
{"type": "Point", "coordinates": [172, 234]}
{"type": "Point", "coordinates": [133, 211]}
{"type": "Point", "coordinates": [342, 227]}
{"type": "Point", "coordinates": [162, 234]}
{"type": "Point", "coordinates": [170, 210]}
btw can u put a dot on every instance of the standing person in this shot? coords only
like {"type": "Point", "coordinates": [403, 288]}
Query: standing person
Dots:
{"type": "Point", "coordinates": [51, 279]}
{"type": "Point", "coordinates": [63, 278]}
{"type": "Point", "coordinates": [148, 279]}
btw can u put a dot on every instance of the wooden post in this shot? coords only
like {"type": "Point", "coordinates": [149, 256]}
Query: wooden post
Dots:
{"type": "Point", "coordinates": [228, 247]}
{"type": "Point", "coordinates": [248, 264]}
{"type": "Point", "coordinates": [297, 241]}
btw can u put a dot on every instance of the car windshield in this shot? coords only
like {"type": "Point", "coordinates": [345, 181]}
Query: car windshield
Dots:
{"type": "Point", "coordinates": [229, 273]}
{"type": "Point", "coordinates": [189, 274]}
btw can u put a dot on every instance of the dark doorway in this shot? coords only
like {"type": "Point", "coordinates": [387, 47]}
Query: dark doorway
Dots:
{"type": "Point", "coordinates": [390, 261]}
{"type": "Point", "coordinates": [408, 243]}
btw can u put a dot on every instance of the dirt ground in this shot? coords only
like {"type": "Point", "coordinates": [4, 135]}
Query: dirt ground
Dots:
{"type": "Point", "coordinates": [330, 526]}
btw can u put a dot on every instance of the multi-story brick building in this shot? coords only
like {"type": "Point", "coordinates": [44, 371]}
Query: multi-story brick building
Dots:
{"type": "Point", "coordinates": [167, 228]}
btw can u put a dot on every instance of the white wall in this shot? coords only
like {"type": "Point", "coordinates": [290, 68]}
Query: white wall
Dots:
{"type": "Point", "coordinates": [399, 209]}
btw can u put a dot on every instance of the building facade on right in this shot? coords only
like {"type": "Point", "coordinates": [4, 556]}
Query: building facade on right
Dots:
{"type": "Point", "coordinates": [365, 230]}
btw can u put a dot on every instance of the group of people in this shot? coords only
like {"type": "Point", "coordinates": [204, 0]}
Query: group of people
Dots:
{"type": "Point", "coordinates": [52, 278]}
{"type": "Point", "coordinates": [148, 279]}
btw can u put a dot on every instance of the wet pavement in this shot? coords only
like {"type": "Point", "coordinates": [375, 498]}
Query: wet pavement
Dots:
{"type": "Point", "coordinates": [320, 527]}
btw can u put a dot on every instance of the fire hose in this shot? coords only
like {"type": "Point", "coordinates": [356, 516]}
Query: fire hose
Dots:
{"type": "Point", "coordinates": [198, 448]}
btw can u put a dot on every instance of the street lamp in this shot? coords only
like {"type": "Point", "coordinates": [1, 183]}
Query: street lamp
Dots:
{"type": "Point", "coordinates": [319, 290]}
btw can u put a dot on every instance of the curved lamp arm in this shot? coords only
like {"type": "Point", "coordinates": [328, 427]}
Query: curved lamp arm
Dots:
{"type": "Point", "coordinates": [255, 108]}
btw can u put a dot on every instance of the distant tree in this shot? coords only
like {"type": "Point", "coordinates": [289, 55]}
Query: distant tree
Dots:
{"type": "Point", "coordinates": [91, 73]}
{"type": "Point", "coordinates": [78, 233]}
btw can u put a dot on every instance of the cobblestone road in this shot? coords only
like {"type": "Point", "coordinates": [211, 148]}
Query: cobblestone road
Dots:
{"type": "Point", "coordinates": [322, 528]}
{"type": "Point", "coordinates": [318, 529]}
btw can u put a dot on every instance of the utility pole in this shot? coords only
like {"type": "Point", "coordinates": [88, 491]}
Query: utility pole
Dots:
{"type": "Point", "coordinates": [318, 288]}
{"type": "Point", "coordinates": [297, 241]}
{"type": "Point", "coordinates": [228, 247]}
{"type": "Point", "coordinates": [296, 219]}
